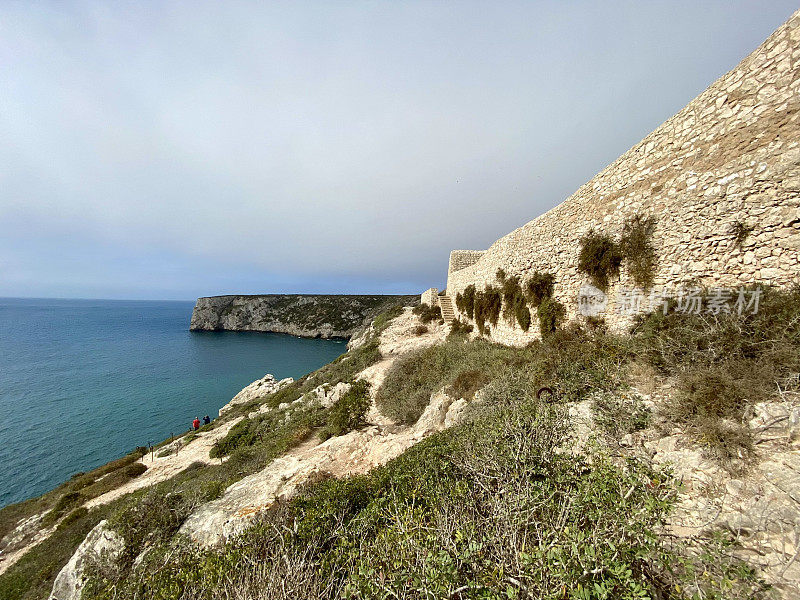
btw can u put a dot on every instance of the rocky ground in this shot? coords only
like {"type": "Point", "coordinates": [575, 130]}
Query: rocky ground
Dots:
{"type": "Point", "coordinates": [760, 503]}
{"type": "Point", "coordinates": [760, 506]}
{"type": "Point", "coordinates": [352, 453]}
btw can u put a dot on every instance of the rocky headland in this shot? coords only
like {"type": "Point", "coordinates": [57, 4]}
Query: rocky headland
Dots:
{"type": "Point", "coordinates": [303, 315]}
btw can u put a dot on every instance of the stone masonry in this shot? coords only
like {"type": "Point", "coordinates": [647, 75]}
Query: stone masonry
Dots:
{"type": "Point", "coordinates": [430, 297]}
{"type": "Point", "coordinates": [461, 259]}
{"type": "Point", "coordinates": [731, 155]}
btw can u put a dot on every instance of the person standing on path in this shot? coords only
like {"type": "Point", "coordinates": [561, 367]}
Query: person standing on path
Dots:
{"type": "Point", "coordinates": [196, 423]}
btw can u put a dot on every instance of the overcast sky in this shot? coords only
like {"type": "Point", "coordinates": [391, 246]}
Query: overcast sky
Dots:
{"type": "Point", "coordinates": [172, 150]}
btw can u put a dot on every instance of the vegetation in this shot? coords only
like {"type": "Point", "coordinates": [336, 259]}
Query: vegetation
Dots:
{"type": "Point", "coordinates": [600, 258]}
{"type": "Point", "coordinates": [459, 329]}
{"type": "Point", "coordinates": [636, 246]}
{"type": "Point", "coordinates": [487, 306]}
{"type": "Point", "coordinates": [465, 302]}
{"type": "Point", "coordinates": [741, 231]}
{"type": "Point", "coordinates": [723, 364]}
{"type": "Point", "coordinates": [349, 411]}
{"type": "Point", "coordinates": [515, 307]}
{"type": "Point", "coordinates": [539, 287]}
{"type": "Point", "coordinates": [551, 314]}
{"type": "Point", "coordinates": [381, 322]}
{"type": "Point", "coordinates": [618, 414]}
{"type": "Point", "coordinates": [428, 313]}
{"type": "Point", "coordinates": [489, 509]}
{"type": "Point", "coordinates": [275, 431]}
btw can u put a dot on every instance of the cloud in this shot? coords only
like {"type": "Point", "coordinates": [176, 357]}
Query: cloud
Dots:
{"type": "Point", "coordinates": [184, 148]}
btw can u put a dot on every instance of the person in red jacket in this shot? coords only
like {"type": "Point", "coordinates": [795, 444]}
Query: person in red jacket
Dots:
{"type": "Point", "coordinates": [196, 423]}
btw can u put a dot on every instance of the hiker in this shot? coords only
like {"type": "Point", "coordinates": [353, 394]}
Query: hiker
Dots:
{"type": "Point", "coordinates": [196, 423]}
{"type": "Point", "coordinates": [206, 420]}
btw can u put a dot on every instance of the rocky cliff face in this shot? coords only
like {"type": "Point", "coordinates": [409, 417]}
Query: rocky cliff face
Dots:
{"type": "Point", "coordinates": [303, 315]}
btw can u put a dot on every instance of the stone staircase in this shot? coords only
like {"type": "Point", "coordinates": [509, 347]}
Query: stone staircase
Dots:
{"type": "Point", "coordinates": [446, 306]}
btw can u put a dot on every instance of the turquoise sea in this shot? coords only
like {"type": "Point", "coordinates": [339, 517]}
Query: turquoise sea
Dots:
{"type": "Point", "coordinates": [85, 381]}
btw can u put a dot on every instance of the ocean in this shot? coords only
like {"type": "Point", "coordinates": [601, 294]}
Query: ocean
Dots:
{"type": "Point", "coordinates": [83, 382]}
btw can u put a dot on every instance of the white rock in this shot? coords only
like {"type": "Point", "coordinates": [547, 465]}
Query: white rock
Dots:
{"type": "Point", "coordinates": [328, 395]}
{"type": "Point", "coordinates": [258, 389]}
{"type": "Point", "coordinates": [455, 413]}
{"type": "Point", "coordinates": [101, 543]}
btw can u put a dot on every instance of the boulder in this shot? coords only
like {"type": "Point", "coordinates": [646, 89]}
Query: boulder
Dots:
{"type": "Point", "coordinates": [328, 395]}
{"type": "Point", "coordinates": [102, 543]}
{"type": "Point", "coordinates": [258, 389]}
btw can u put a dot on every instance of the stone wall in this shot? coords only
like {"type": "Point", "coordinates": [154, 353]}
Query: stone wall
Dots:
{"type": "Point", "coordinates": [430, 297]}
{"type": "Point", "coordinates": [731, 155]}
{"type": "Point", "coordinates": [461, 259]}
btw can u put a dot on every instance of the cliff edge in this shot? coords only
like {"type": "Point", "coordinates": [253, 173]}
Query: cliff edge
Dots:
{"type": "Point", "coordinates": [304, 315]}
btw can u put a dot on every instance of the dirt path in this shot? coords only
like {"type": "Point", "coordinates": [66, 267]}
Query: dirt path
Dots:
{"type": "Point", "coordinates": [161, 469]}
{"type": "Point", "coordinates": [158, 470]}
{"type": "Point", "coordinates": [356, 452]}
{"type": "Point", "coordinates": [353, 453]}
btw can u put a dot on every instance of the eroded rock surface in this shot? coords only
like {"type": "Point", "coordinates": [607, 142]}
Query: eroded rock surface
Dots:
{"type": "Point", "coordinates": [305, 315]}
{"type": "Point", "coordinates": [101, 544]}
{"type": "Point", "coordinates": [353, 453]}
{"type": "Point", "coordinates": [258, 389]}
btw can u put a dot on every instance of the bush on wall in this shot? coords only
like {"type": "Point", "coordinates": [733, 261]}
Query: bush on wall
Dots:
{"type": "Point", "coordinates": [465, 302]}
{"type": "Point", "coordinates": [637, 247]}
{"type": "Point", "coordinates": [488, 304]}
{"type": "Point", "coordinates": [515, 307]}
{"type": "Point", "coordinates": [600, 258]}
{"type": "Point", "coordinates": [551, 314]}
{"type": "Point", "coordinates": [539, 287]}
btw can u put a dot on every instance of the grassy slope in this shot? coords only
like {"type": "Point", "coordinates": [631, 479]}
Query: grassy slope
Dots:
{"type": "Point", "coordinates": [32, 577]}
{"type": "Point", "coordinates": [490, 508]}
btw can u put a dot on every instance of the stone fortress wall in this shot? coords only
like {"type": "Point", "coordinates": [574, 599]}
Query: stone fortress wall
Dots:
{"type": "Point", "coordinates": [430, 297]}
{"type": "Point", "coordinates": [731, 155]}
{"type": "Point", "coordinates": [461, 259]}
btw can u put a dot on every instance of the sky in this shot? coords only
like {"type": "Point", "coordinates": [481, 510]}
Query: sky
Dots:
{"type": "Point", "coordinates": [169, 150]}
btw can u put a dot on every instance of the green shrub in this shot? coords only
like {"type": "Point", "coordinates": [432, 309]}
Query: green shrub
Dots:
{"type": "Point", "coordinates": [286, 395]}
{"type": "Point", "coordinates": [467, 383]}
{"type": "Point", "coordinates": [344, 368]}
{"type": "Point", "coordinates": [712, 405]}
{"type": "Point", "coordinates": [382, 321]}
{"type": "Point", "coordinates": [515, 307]}
{"type": "Point", "coordinates": [135, 469]}
{"type": "Point", "coordinates": [600, 258]}
{"type": "Point", "coordinates": [740, 231]}
{"type": "Point", "coordinates": [272, 431]}
{"type": "Point", "coordinates": [465, 302]}
{"type": "Point", "coordinates": [488, 305]}
{"type": "Point", "coordinates": [459, 329]}
{"type": "Point", "coordinates": [427, 313]}
{"type": "Point", "coordinates": [349, 411]}
{"type": "Point", "coordinates": [411, 380]}
{"type": "Point", "coordinates": [618, 414]}
{"type": "Point", "coordinates": [420, 330]}
{"type": "Point", "coordinates": [65, 504]}
{"type": "Point", "coordinates": [551, 314]}
{"type": "Point", "coordinates": [539, 287]}
{"type": "Point", "coordinates": [73, 517]}
{"type": "Point", "coordinates": [636, 246]}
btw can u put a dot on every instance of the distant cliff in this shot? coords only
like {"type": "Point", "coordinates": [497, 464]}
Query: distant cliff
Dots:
{"type": "Point", "coordinates": [305, 315]}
